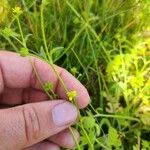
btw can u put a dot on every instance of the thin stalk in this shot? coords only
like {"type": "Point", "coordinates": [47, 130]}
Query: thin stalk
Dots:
{"type": "Point", "coordinates": [80, 64]}
{"type": "Point", "coordinates": [43, 33]}
{"type": "Point", "coordinates": [87, 137]}
{"type": "Point", "coordinates": [53, 67]}
{"type": "Point", "coordinates": [21, 43]}
{"type": "Point", "coordinates": [66, 90]}
{"type": "Point", "coordinates": [138, 143]}
{"type": "Point", "coordinates": [11, 43]}
{"type": "Point", "coordinates": [21, 33]}
{"type": "Point", "coordinates": [102, 145]}
{"type": "Point", "coordinates": [97, 70]}
{"type": "Point", "coordinates": [74, 138]}
{"type": "Point", "coordinates": [38, 78]}
{"type": "Point", "coordinates": [59, 78]}
{"type": "Point", "coordinates": [117, 116]}
{"type": "Point", "coordinates": [83, 21]}
{"type": "Point", "coordinates": [72, 41]}
{"type": "Point", "coordinates": [46, 49]}
{"type": "Point", "coordinates": [33, 66]}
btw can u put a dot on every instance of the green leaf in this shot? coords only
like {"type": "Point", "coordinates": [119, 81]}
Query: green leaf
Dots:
{"type": "Point", "coordinates": [145, 145]}
{"type": "Point", "coordinates": [88, 122]}
{"type": "Point", "coordinates": [98, 130]}
{"type": "Point", "coordinates": [113, 138]}
{"type": "Point", "coordinates": [56, 52]}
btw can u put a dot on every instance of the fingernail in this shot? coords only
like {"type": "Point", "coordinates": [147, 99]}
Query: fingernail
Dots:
{"type": "Point", "coordinates": [64, 114]}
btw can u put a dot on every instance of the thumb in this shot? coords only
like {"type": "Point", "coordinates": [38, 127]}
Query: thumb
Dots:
{"type": "Point", "coordinates": [28, 124]}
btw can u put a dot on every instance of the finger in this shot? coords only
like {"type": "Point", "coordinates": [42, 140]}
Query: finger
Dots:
{"type": "Point", "coordinates": [65, 138]}
{"type": "Point", "coordinates": [11, 97]}
{"type": "Point", "coordinates": [17, 72]}
{"type": "Point", "coordinates": [15, 96]}
{"type": "Point", "coordinates": [44, 146]}
{"type": "Point", "coordinates": [29, 124]}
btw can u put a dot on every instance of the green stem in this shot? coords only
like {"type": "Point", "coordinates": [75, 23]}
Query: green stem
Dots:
{"type": "Point", "coordinates": [117, 116]}
{"type": "Point", "coordinates": [52, 65]}
{"type": "Point", "coordinates": [101, 144]}
{"type": "Point", "coordinates": [75, 139]}
{"type": "Point", "coordinates": [81, 64]}
{"type": "Point", "coordinates": [38, 78]}
{"type": "Point", "coordinates": [59, 78]}
{"type": "Point", "coordinates": [87, 137]}
{"type": "Point", "coordinates": [20, 42]}
{"type": "Point", "coordinates": [11, 43]}
{"type": "Point", "coordinates": [21, 33]}
{"type": "Point", "coordinates": [43, 33]}
{"type": "Point", "coordinates": [97, 70]}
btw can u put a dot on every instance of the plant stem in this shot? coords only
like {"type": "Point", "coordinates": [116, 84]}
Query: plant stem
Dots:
{"type": "Point", "coordinates": [138, 143]}
{"type": "Point", "coordinates": [101, 144]}
{"type": "Point", "coordinates": [74, 138]}
{"type": "Point", "coordinates": [117, 116]}
{"type": "Point", "coordinates": [43, 33]}
{"type": "Point", "coordinates": [52, 65]}
{"type": "Point", "coordinates": [97, 70]}
{"type": "Point", "coordinates": [38, 78]}
{"type": "Point", "coordinates": [89, 141]}
{"type": "Point", "coordinates": [21, 33]}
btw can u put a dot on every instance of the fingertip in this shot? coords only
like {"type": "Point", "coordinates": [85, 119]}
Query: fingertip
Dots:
{"type": "Point", "coordinates": [84, 98]}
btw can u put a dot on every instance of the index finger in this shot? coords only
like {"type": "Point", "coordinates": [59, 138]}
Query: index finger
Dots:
{"type": "Point", "coordinates": [17, 72]}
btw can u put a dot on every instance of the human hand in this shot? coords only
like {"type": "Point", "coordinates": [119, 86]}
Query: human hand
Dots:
{"type": "Point", "coordinates": [27, 119]}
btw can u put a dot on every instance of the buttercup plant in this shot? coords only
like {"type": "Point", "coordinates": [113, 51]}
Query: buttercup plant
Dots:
{"type": "Point", "coordinates": [72, 96]}
{"type": "Point", "coordinates": [46, 86]}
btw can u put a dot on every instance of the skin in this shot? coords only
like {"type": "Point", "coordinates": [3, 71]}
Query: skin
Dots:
{"type": "Point", "coordinates": [26, 120]}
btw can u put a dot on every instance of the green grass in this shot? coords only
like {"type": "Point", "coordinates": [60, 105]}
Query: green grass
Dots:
{"type": "Point", "coordinates": [103, 43]}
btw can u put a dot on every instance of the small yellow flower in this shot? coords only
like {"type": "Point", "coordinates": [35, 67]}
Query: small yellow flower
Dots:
{"type": "Point", "coordinates": [71, 95]}
{"type": "Point", "coordinates": [17, 10]}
